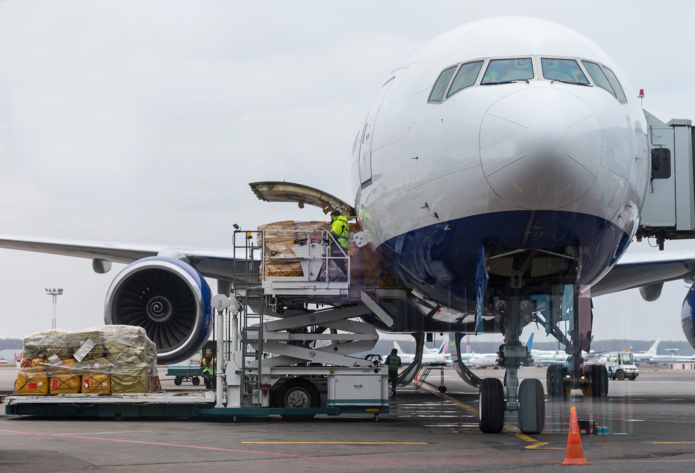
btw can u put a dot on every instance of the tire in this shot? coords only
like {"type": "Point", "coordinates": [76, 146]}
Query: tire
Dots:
{"type": "Point", "coordinates": [620, 375]}
{"type": "Point", "coordinates": [491, 406]}
{"type": "Point", "coordinates": [178, 380]}
{"type": "Point", "coordinates": [531, 407]}
{"type": "Point", "coordinates": [554, 380]}
{"type": "Point", "coordinates": [442, 389]}
{"type": "Point", "coordinates": [297, 393]}
{"type": "Point", "coordinates": [195, 381]}
{"type": "Point", "coordinates": [632, 378]}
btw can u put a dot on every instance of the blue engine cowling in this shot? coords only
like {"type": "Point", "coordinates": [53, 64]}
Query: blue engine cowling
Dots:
{"type": "Point", "coordinates": [169, 299]}
{"type": "Point", "coordinates": [688, 316]}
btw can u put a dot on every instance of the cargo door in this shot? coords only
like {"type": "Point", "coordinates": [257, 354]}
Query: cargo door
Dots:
{"type": "Point", "coordinates": [276, 191]}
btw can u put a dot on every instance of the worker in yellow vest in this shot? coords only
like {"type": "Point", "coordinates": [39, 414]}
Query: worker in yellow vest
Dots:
{"type": "Point", "coordinates": [340, 241]}
{"type": "Point", "coordinates": [209, 365]}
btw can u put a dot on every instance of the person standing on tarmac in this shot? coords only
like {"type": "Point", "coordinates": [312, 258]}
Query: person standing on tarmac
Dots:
{"type": "Point", "coordinates": [209, 365]}
{"type": "Point", "coordinates": [394, 362]}
{"type": "Point", "coordinates": [340, 241]}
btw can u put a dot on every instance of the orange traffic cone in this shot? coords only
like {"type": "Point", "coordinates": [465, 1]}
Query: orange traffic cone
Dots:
{"type": "Point", "coordinates": [575, 452]}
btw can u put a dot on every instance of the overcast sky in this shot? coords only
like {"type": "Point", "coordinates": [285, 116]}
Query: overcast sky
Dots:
{"type": "Point", "coordinates": [144, 122]}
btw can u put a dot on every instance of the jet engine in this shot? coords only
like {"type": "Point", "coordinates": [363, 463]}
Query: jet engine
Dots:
{"type": "Point", "coordinates": [688, 316]}
{"type": "Point", "coordinates": [169, 299]}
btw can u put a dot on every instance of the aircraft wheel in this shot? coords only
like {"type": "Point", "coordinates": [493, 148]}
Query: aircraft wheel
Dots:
{"type": "Point", "coordinates": [491, 406]}
{"type": "Point", "coordinates": [195, 381]}
{"type": "Point", "coordinates": [620, 375]}
{"type": "Point", "coordinates": [531, 407]}
{"type": "Point", "coordinates": [554, 380]}
{"type": "Point", "coordinates": [300, 394]}
{"type": "Point", "coordinates": [178, 381]}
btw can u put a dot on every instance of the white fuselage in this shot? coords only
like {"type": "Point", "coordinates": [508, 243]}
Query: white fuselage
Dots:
{"type": "Point", "coordinates": [534, 163]}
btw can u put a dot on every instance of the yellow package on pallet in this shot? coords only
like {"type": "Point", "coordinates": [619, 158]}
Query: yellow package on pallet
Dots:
{"type": "Point", "coordinates": [131, 380]}
{"type": "Point", "coordinates": [32, 381]}
{"type": "Point", "coordinates": [96, 383]}
{"type": "Point", "coordinates": [65, 384]}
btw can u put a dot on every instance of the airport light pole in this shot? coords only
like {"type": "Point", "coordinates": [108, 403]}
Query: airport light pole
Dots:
{"type": "Point", "coordinates": [55, 293]}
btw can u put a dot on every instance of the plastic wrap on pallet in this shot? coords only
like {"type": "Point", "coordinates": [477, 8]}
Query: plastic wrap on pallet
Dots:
{"type": "Point", "coordinates": [64, 384]}
{"type": "Point", "coordinates": [85, 361]}
{"type": "Point", "coordinates": [366, 267]}
{"type": "Point", "coordinates": [96, 383]}
{"type": "Point", "coordinates": [32, 381]}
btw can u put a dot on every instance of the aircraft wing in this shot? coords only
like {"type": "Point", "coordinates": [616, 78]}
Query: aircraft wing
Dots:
{"type": "Point", "coordinates": [636, 270]}
{"type": "Point", "coordinates": [219, 264]}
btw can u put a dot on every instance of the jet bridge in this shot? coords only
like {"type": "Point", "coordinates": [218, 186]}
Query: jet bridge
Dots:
{"type": "Point", "coordinates": [668, 212]}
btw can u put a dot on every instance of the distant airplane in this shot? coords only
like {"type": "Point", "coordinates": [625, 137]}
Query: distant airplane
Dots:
{"type": "Point", "coordinates": [429, 356]}
{"type": "Point", "coordinates": [647, 356]}
{"type": "Point", "coordinates": [487, 360]}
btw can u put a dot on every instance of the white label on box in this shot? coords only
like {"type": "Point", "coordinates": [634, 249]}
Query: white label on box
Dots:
{"type": "Point", "coordinates": [84, 349]}
{"type": "Point", "coordinates": [40, 384]}
{"type": "Point", "coordinates": [55, 359]}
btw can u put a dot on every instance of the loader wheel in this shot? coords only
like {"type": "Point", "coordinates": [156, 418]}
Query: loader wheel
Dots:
{"type": "Point", "coordinates": [297, 393]}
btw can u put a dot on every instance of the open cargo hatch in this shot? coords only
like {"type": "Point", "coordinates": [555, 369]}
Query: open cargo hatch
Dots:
{"type": "Point", "coordinates": [275, 191]}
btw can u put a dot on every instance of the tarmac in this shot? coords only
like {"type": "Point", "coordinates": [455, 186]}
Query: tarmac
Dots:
{"type": "Point", "coordinates": [651, 423]}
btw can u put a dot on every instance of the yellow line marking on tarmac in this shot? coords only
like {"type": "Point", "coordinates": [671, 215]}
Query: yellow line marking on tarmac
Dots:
{"type": "Point", "coordinates": [342, 443]}
{"type": "Point", "coordinates": [507, 429]}
{"type": "Point", "coordinates": [669, 443]}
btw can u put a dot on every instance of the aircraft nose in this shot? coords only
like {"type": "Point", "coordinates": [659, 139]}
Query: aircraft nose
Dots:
{"type": "Point", "coordinates": [540, 148]}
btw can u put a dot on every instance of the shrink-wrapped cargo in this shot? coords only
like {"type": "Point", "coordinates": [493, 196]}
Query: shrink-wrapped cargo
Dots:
{"type": "Point", "coordinates": [96, 383]}
{"type": "Point", "coordinates": [135, 379]}
{"type": "Point", "coordinates": [31, 381]}
{"type": "Point", "coordinates": [100, 365]}
{"type": "Point", "coordinates": [94, 354]}
{"type": "Point", "coordinates": [65, 384]}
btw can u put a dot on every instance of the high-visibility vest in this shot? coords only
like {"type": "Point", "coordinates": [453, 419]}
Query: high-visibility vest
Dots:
{"type": "Point", "coordinates": [210, 369]}
{"type": "Point", "coordinates": [394, 362]}
{"type": "Point", "coordinates": [340, 231]}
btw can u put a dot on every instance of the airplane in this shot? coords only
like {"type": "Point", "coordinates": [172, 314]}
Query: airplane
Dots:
{"type": "Point", "coordinates": [489, 360]}
{"type": "Point", "coordinates": [646, 356]}
{"type": "Point", "coordinates": [429, 355]}
{"type": "Point", "coordinates": [502, 167]}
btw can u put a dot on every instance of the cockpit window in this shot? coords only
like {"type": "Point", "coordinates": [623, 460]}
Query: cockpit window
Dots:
{"type": "Point", "coordinates": [439, 88]}
{"type": "Point", "coordinates": [616, 85]}
{"type": "Point", "coordinates": [564, 70]}
{"type": "Point", "coordinates": [465, 77]}
{"type": "Point", "coordinates": [501, 71]}
{"type": "Point", "coordinates": [598, 76]}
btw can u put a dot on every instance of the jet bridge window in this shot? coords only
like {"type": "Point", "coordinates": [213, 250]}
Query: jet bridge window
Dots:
{"type": "Point", "coordinates": [616, 85]}
{"type": "Point", "coordinates": [465, 77]}
{"type": "Point", "coordinates": [563, 70]}
{"type": "Point", "coordinates": [598, 76]}
{"type": "Point", "coordinates": [439, 88]}
{"type": "Point", "coordinates": [503, 71]}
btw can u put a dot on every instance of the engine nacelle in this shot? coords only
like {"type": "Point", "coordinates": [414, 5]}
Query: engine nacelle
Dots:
{"type": "Point", "coordinates": [688, 316]}
{"type": "Point", "coordinates": [169, 299]}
